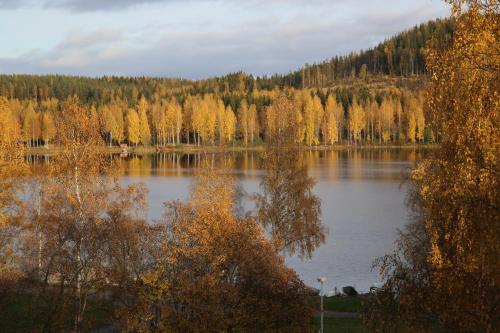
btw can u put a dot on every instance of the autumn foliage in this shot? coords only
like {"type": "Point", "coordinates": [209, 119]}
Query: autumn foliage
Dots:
{"type": "Point", "coordinates": [75, 247]}
{"type": "Point", "coordinates": [361, 115]}
{"type": "Point", "coordinates": [215, 272]}
{"type": "Point", "coordinates": [446, 271]}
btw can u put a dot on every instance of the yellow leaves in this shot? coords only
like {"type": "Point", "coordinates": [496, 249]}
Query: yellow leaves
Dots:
{"type": "Point", "coordinates": [330, 122]}
{"type": "Point", "coordinates": [450, 254]}
{"type": "Point", "coordinates": [12, 168]}
{"type": "Point", "coordinates": [204, 116]}
{"type": "Point", "coordinates": [48, 128]}
{"type": "Point", "coordinates": [412, 125]}
{"type": "Point", "coordinates": [133, 127]}
{"type": "Point", "coordinates": [386, 136]}
{"type": "Point", "coordinates": [248, 122]}
{"type": "Point", "coordinates": [457, 195]}
{"type": "Point", "coordinates": [9, 128]}
{"type": "Point", "coordinates": [312, 115]}
{"type": "Point", "coordinates": [144, 131]}
{"type": "Point", "coordinates": [229, 124]}
{"type": "Point", "coordinates": [155, 281]}
{"type": "Point", "coordinates": [281, 125]}
{"type": "Point", "coordinates": [356, 120]}
{"type": "Point", "coordinates": [168, 120]}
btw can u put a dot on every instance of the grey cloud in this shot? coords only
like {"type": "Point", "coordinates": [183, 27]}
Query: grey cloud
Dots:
{"type": "Point", "coordinates": [93, 38]}
{"type": "Point", "coordinates": [260, 46]}
{"type": "Point", "coordinates": [11, 4]}
{"type": "Point", "coordinates": [97, 5]}
{"type": "Point", "coordinates": [108, 5]}
{"type": "Point", "coordinates": [81, 5]}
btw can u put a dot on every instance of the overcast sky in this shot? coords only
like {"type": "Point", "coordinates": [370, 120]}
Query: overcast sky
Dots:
{"type": "Point", "coordinates": [194, 38]}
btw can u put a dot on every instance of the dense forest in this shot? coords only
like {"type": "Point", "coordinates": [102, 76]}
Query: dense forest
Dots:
{"type": "Point", "coordinates": [371, 97]}
{"type": "Point", "coordinates": [402, 55]}
{"type": "Point", "coordinates": [337, 116]}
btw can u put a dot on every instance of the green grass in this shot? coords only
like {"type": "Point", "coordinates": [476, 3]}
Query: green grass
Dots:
{"type": "Point", "coordinates": [340, 325]}
{"type": "Point", "coordinates": [340, 303]}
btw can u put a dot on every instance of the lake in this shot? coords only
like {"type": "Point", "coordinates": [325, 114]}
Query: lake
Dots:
{"type": "Point", "coordinates": [362, 196]}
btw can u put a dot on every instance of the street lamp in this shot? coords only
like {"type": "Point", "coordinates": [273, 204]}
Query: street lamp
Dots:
{"type": "Point", "coordinates": [321, 280]}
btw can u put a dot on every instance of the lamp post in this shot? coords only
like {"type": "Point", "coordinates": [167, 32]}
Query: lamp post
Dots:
{"type": "Point", "coordinates": [321, 280]}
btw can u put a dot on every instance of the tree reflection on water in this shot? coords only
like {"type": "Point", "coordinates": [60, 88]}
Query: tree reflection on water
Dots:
{"type": "Point", "coordinates": [286, 206]}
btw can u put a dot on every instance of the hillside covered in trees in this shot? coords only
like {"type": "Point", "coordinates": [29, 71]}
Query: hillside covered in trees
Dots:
{"type": "Point", "coordinates": [369, 97]}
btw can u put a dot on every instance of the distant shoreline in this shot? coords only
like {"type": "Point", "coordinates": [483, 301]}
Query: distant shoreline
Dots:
{"type": "Point", "coordinates": [224, 149]}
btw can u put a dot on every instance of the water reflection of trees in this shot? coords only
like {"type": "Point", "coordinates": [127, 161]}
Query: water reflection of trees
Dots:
{"type": "Point", "coordinates": [286, 206]}
{"type": "Point", "coordinates": [173, 163]}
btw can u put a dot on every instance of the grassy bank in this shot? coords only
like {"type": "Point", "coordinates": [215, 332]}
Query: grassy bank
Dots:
{"type": "Point", "coordinates": [342, 303]}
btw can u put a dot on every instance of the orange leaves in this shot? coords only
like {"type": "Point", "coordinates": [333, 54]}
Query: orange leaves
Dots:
{"type": "Point", "coordinates": [216, 271]}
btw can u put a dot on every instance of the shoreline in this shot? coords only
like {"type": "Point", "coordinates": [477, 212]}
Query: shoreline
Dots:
{"type": "Point", "coordinates": [187, 149]}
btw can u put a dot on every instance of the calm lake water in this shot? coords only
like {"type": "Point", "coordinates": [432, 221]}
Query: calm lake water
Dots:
{"type": "Point", "coordinates": [362, 196]}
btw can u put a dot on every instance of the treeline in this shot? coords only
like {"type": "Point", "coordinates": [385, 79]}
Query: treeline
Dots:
{"type": "Point", "coordinates": [338, 116]}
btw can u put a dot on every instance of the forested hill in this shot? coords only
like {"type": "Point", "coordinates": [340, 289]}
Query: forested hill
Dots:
{"type": "Point", "coordinates": [401, 55]}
